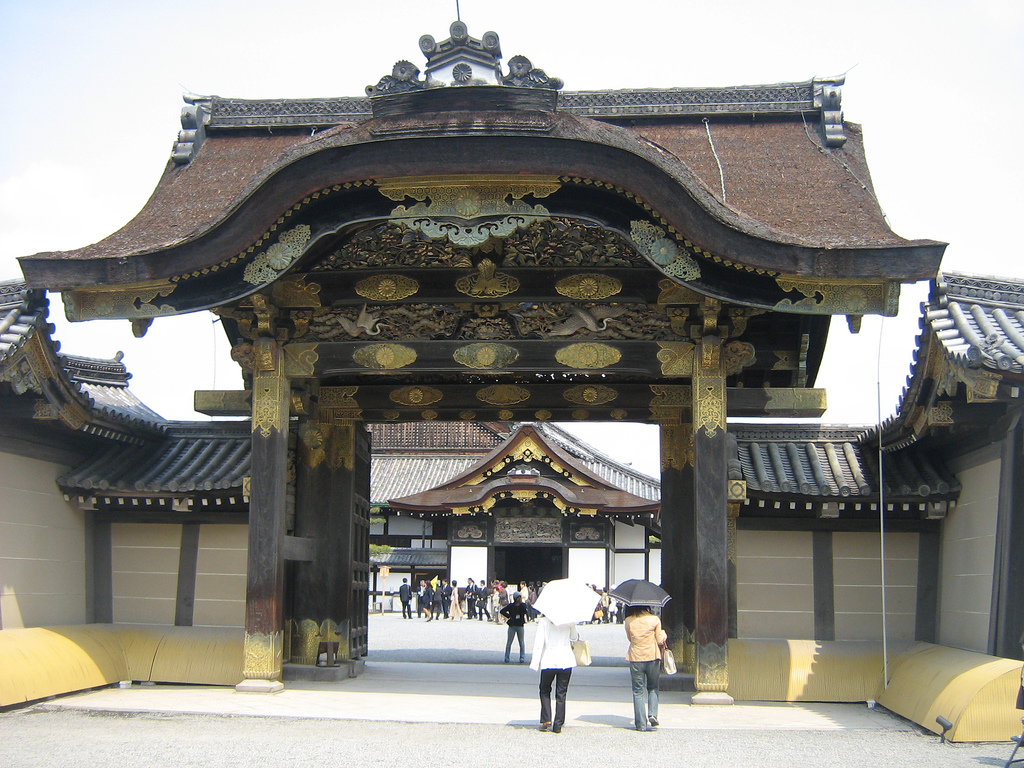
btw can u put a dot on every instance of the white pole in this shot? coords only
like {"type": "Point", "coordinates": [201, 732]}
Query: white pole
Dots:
{"type": "Point", "coordinates": [881, 508]}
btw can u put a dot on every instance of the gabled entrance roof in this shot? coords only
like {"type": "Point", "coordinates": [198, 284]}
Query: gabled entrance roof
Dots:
{"type": "Point", "coordinates": [526, 468]}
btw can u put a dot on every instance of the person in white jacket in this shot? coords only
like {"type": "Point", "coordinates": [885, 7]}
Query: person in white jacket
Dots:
{"type": "Point", "coordinates": [553, 657]}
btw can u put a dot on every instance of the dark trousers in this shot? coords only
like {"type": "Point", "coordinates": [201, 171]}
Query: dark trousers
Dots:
{"type": "Point", "coordinates": [471, 607]}
{"type": "Point", "coordinates": [406, 609]}
{"type": "Point", "coordinates": [560, 677]}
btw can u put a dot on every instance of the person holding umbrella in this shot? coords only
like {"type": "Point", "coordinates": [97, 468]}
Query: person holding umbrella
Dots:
{"type": "Point", "coordinates": [554, 659]}
{"type": "Point", "coordinates": [646, 641]}
{"type": "Point", "coordinates": [561, 604]}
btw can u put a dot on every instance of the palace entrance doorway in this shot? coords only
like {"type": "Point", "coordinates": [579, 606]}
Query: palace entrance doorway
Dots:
{"type": "Point", "coordinates": [474, 247]}
{"type": "Point", "coordinates": [516, 564]}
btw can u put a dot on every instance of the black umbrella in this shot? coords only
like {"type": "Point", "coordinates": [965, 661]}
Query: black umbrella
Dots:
{"type": "Point", "coordinates": [640, 592]}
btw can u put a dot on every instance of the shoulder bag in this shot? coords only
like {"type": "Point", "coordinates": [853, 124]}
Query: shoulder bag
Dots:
{"type": "Point", "coordinates": [581, 650]}
{"type": "Point", "coordinates": [668, 662]}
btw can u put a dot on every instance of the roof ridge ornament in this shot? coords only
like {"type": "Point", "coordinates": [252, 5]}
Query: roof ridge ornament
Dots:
{"type": "Point", "coordinates": [462, 60]}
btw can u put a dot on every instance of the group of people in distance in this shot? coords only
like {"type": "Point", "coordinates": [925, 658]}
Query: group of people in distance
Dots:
{"type": "Point", "coordinates": [553, 654]}
{"type": "Point", "coordinates": [439, 599]}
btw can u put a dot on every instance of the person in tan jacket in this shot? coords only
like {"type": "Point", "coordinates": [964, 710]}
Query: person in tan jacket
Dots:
{"type": "Point", "coordinates": [646, 639]}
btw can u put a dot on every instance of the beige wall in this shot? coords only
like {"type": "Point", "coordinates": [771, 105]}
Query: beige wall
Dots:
{"type": "Point", "coordinates": [968, 554]}
{"type": "Point", "coordinates": [42, 547]}
{"type": "Point", "coordinates": [857, 577]}
{"type": "Point", "coordinates": [774, 585]}
{"type": "Point", "coordinates": [220, 576]}
{"type": "Point", "coordinates": [145, 565]}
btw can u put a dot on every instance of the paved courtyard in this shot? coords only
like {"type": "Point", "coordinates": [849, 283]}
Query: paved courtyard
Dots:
{"type": "Point", "coordinates": [438, 694]}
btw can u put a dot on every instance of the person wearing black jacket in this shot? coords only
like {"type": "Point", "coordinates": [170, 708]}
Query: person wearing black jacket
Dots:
{"type": "Point", "coordinates": [516, 614]}
{"type": "Point", "coordinates": [427, 600]}
{"type": "Point", "coordinates": [405, 595]}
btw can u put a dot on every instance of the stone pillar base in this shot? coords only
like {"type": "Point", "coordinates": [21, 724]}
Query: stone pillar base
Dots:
{"type": "Point", "coordinates": [711, 698]}
{"type": "Point", "coordinates": [260, 686]}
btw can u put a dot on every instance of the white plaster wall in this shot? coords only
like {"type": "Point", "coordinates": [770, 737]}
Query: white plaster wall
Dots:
{"type": "Point", "coordinates": [145, 565]}
{"type": "Point", "coordinates": [627, 565]}
{"type": "Point", "coordinates": [403, 525]}
{"type": "Point", "coordinates": [42, 547]}
{"type": "Point", "coordinates": [630, 536]}
{"type": "Point", "coordinates": [857, 579]}
{"type": "Point", "coordinates": [467, 563]}
{"type": "Point", "coordinates": [588, 565]}
{"type": "Point", "coordinates": [654, 566]}
{"type": "Point", "coordinates": [774, 584]}
{"type": "Point", "coordinates": [220, 576]}
{"type": "Point", "coordinates": [967, 555]}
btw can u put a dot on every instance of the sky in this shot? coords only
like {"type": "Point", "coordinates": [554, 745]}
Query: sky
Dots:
{"type": "Point", "coordinates": [94, 90]}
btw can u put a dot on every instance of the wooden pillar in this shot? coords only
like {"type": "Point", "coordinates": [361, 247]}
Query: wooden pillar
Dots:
{"type": "Point", "coordinates": [678, 559]}
{"type": "Point", "coordinates": [264, 593]}
{"type": "Point", "coordinates": [710, 455]}
{"type": "Point", "coordinates": [332, 511]}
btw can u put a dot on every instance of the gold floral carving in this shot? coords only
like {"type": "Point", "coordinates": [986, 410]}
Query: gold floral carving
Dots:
{"type": "Point", "coordinates": [268, 404]}
{"type": "Point", "coordinates": [41, 409]}
{"type": "Point", "coordinates": [492, 208]}
{"type": "Point", "coordinates": [384, 356]}
{"type": "Point", "coordinates": [294, 292]}
{"type": "Point", "coordinates": [941, 413]}
{"type": "Point", "coordinates": [795, 402]}
{"type": "Point", "coordinates": [450, 190]}
{"type": "Point", "coordinates": [262, 656]}
{"type": "Point", "coordinates": [588, 287]}
{"type": "Point", "coordinates": [506, 415]}
{"type": "Point", "coordinates": [736, 356]}
{"type": "Point", "coordinates": [338, 405]}
{"type": "Point", "coordinates": [709, 408]}
{"type": "Point", "coordinates": [618, 414]}
{"type": "Point", "coordinates": [542, 415]}
{"type": "Point", "coordinates": [669, 403]}
{"type": "Point", "coordinates": [982, 386]}
{"type": "Point", "coordinates": [486, 356]}
{"type": "Point", "coordinates": [676, 358]}
{"type": "Point", "coordinates": [387, 287]}
{"type": "Point", "coordinates": [467, 415]}
{"type": "Point", "coordinates": [664, 250]}
{"type": "Point", "coordinates": [587, 356]}
{"type": "Point", "coordinates": [487, 282]}
{"type": "Point", "coordinates": [133, 302]}
{"type": "Point", "coordinates": [674, 293]}
{"type": "Point", "coordinates": [712, 667]}
{"type": "Point", "coordinates": [340, 444]}
{"type": "Point", "coordinates": [590, 394]}
{"type": "Point", "coordinates": [832, 297]}
{"type": "Point", "coordinates": [269, 264]}
{"type": "Point", "coordinates": [428, 415]}
{"type": "Point", "coordinates": [581, 415]}
{"type": "Point", "coordinates": [306, 642]}
{"type": "Point", "coordinates": [311, 445]}
{"type": "Point", "coordinates": [676, 446]}
{"type": "Point", "coordinates": [503, 394]}
{"type": "Point", "coordinates": [300, 360]}
{"type": "Point", "coordinates": [391, 415]}
{"type": "Point", "coordinates": [416, 396]}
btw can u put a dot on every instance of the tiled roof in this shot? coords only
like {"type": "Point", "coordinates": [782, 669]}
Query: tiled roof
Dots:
{"type": "Point", "coordinates": [204, 456]}
{"type": "Point", "coordinates": [20, 315]}
{"type": "Point", "coordinates": [830, 461]}
{"type": "Point", "coordinates": [393, 476]}
{"type": "Point", "coordinates": [605, 467]}
{"type": "Point", "coordinates": [426, 436]}
{"type": "Point", "coordinates": [979, 320]}
{"type": "Point", "coordinates": [414, 557]}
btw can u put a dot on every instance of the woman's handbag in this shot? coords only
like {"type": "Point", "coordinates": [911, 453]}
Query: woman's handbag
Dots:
{"type": "Point", "coordinates": [668, 662]}
{"type": "Point", "coordinates": [581, 650]}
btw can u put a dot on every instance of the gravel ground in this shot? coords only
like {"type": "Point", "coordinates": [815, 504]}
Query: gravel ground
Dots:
{"type": "Point", "coordinates": [42, 735]}
{"type": "Point", "coordinates": [34, 737]}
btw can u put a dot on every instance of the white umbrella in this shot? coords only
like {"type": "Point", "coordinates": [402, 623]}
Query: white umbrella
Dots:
{"type": "Point", "coordinates": [565, 601]}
